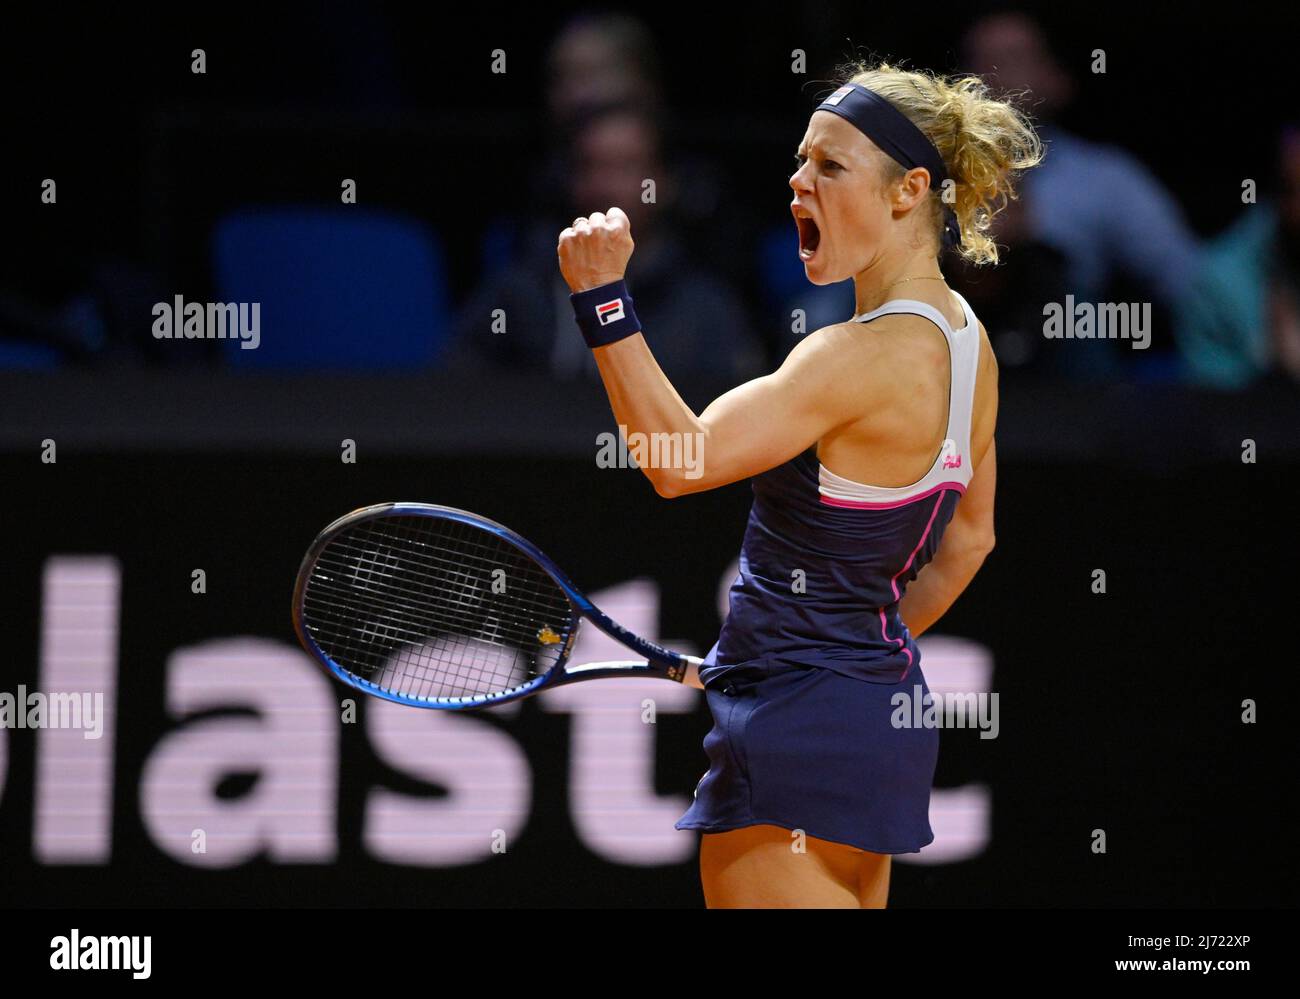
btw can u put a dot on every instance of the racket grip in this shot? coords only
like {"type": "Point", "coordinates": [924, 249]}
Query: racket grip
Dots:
{"type": "Point", "coordinates": [692, 678]}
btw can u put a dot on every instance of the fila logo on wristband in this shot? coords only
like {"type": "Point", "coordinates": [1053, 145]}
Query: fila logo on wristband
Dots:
{"type": "Point", "coordinates": [610, 312]}
{"type": "Point", "coordinates": [606, 314]}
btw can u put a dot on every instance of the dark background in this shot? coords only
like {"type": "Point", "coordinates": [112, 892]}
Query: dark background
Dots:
{"type": "Point", "coordinates": [297, 96]}
{"type": "Point", "coordinates": [1121, 711]}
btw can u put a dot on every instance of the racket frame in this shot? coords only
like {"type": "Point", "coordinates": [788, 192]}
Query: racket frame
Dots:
{"type": "Point", "coordinates": [659, 663]}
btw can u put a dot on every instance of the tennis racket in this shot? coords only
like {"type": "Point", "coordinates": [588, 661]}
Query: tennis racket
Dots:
{"type": "Point", "coordinates": [440, 608]}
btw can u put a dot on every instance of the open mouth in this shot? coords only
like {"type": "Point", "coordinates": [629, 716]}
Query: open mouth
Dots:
{"type": "Point", "coordinates": [809, 237]}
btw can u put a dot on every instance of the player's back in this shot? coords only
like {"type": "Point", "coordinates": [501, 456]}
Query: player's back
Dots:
{"type": "Point", "coordinates": [825, 559]}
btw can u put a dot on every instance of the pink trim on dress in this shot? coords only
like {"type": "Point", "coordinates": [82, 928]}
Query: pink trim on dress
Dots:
{"type": "Point", "coordinates": [893, 585]}
{"type": "Point", "coordinates": [864, 505]}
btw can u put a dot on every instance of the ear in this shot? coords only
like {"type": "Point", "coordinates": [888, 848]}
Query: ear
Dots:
{"type": "Point", "coordinates": [911, 189]}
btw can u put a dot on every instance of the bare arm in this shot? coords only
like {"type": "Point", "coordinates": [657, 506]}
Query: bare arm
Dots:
{"type": "Point", "coordinates": [744, 432]}
{"type": "Point", "coordinates": [753, 427]}
{"type": "Point", "coordinates": [969, 536]}
{"type": "Point", "coordinates": [967, 541]}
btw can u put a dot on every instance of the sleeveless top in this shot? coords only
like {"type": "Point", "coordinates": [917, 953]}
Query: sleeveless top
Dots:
{"type": "Point", "coordinates": [825, 560]}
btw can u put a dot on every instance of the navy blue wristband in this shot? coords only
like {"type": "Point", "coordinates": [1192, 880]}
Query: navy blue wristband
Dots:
{"type": "Point", "coordinates": [605, 314]}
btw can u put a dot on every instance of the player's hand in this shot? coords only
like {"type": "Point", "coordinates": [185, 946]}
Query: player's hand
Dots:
{"type": "Point", "coordinates": [595, 250]}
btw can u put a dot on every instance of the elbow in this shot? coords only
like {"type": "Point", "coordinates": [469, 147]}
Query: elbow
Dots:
{"type": "Point", "coordinates": [970, 551]}
{"type": "Point", "coordinates": [679, 470]}
{"type": "Point", "coordinates": [671, 483]}
{"type": "Point", "coordinates": [669, 486]}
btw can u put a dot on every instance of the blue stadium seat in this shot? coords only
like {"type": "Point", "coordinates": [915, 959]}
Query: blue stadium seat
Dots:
{"type": "Point", "coordinates": [28, 357]}
{"type": "Point", "coordinates": [340, 289]}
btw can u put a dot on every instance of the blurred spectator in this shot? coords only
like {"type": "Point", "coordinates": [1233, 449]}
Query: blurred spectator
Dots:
{"type": "Point", "coordinates": [600, 60]}
{"type": "Point", "coordinates": [597, 60]}
{"type": "Point", "coordinates": [1098, 207]}
{"type": "Point", "coordinates": [1241, 318]}
{"type": "Point", "coordinates": [1009, 298]}
{"type": "Point", "coordinates": [695, 323]}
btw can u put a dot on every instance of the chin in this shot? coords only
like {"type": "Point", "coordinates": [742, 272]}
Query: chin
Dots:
{"type": "Point", "coordinates": [819, 276]}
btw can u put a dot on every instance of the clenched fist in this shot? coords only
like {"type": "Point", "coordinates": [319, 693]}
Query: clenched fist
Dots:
{"type": "Point", "coordinates": [595, 250]}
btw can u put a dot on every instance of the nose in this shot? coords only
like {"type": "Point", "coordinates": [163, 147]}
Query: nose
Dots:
{"type": "Point", "coordinates": [798, 180]}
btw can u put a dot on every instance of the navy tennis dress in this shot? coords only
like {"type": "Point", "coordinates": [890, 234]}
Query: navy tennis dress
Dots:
{"type": "Point", "coordinates": [802, 679]}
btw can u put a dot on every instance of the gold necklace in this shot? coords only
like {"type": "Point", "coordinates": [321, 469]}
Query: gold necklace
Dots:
{"type": "Point", "coordinates": [925, 277]}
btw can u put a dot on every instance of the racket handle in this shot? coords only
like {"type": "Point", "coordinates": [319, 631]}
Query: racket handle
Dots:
{"type": "Point", "coordinates": [692, 678]}
{"type": "Point", "coordinates": [636, 668]}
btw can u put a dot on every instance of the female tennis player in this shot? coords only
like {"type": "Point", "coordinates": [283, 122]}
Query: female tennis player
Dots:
{"type": "Point", "coordinates": [873, 465]}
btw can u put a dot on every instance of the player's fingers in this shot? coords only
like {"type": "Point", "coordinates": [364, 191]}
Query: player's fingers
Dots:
{"type": "Point", "coordinates": [579, 222]}
{"type": "Point", "coordinates": [616, 221]}
{"type": "Point", "coordinates": [597, 219]}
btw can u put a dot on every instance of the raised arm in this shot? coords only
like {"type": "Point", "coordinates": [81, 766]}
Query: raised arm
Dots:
{"type": "Point", "coordinates": [753, 427]}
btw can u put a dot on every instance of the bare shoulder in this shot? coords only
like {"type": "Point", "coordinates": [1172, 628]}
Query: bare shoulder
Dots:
{"type": "Point", "coordinates": [855, 356]}
{"type": "Point", "coordinates": [898, 335]}
{"type": "Point", "coordinates": [892, 343]}
{"type": "Point", "coordinates": [833, 347]}
{"type": "Point", "coordinates": [855, 353]}
{"type": "Point", "coordinates": [842, 369]}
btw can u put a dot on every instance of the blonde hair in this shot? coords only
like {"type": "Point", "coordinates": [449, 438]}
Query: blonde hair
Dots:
{"type": "Point", "coordinates": [985, 143]}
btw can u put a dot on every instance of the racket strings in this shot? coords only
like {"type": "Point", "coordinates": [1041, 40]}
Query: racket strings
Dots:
{"type": "Point", "coordinates": [453, 568]}
{"type": "Point", "coordinates": [435, 608]}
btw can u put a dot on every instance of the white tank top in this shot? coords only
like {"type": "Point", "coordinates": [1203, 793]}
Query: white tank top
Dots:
{"type": "Point", "coordinates": [952, 467]}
